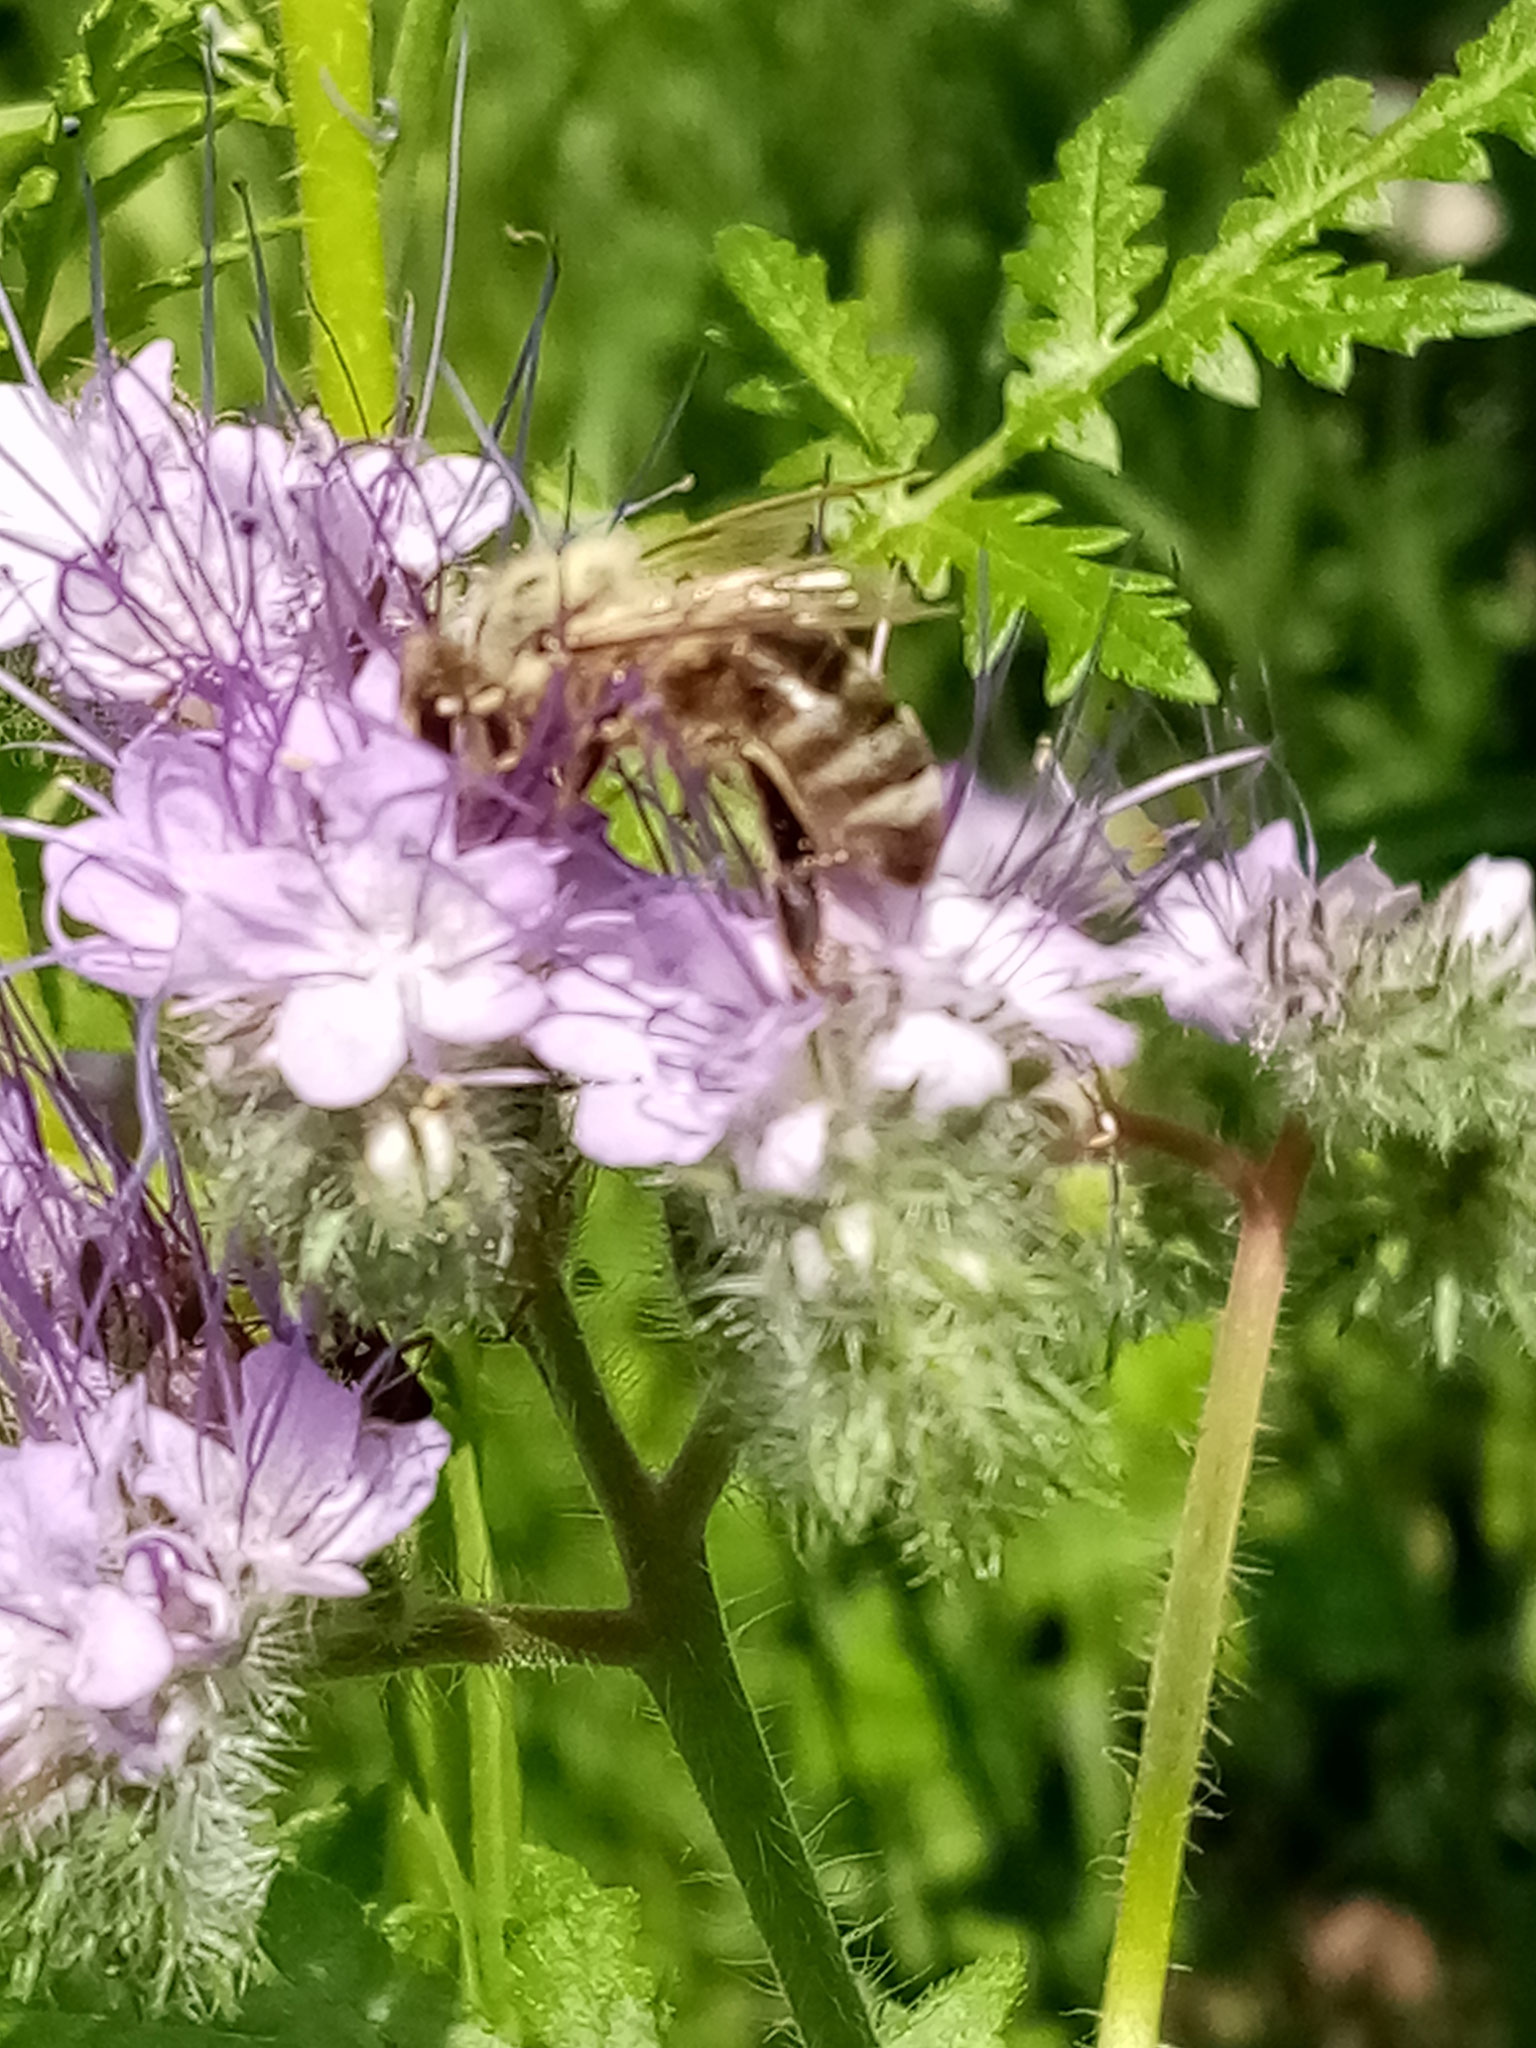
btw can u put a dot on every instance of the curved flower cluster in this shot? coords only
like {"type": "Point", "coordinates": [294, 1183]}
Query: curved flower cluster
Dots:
{"type": "Point", "coordinates": [172, 1483]}
{"type": "Point", "coordinates": [278, 855]}
{"type": "Point", "coordinates": [151, 556]}
{"type": "Point", "coordinates": [1380, 1012]}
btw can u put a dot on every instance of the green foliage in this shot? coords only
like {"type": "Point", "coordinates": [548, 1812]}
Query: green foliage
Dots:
{"type": "Point", "coordinates": [1124, 622]}
{"type": "Point", "coordinates": [132, 95]}
{"type": "Point", "coordinates": [1080, 277]}
{"type": "Point", "coordinates": [969, 2010]}
{"type": "Point", "coordinates": [1078, 283]}
{"type": "Point", "coordinates": [827, 341]}
{"type": "Point", "coordinates": [572, 1947]}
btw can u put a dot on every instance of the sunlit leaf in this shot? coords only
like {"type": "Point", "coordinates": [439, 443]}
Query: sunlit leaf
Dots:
{"type": "Point", "coordinates": [1125, 622]}
{"type": "Point", "coordinates": [828, 341]}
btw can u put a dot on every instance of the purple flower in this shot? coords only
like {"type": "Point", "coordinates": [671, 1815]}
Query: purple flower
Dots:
{"type": "Point", "coordinates": [173, 1483]}
{"type": "Point", "coordinates": [1250, 944]}
{"type": "Point", "coordinates": [942, 990]}
{"type": "Point", "coordinates": [306, 1487]}
{"type": "Point", "coordinates": [152, 556]}
{"type": "Point", "coordinates": [314, 897]}
{"type": "Point", "coordinates": [307, 884]}
{"type": "Point", "coordinates": [675, 1013]}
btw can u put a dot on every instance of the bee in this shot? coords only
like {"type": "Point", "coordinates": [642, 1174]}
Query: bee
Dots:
{"type": "Point", "coordinates": [760, 676]}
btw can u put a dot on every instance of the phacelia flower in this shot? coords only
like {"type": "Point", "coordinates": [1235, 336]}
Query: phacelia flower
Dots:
{"type": "Point", "coordinates": [1255, 944]}
{"type": "Point", "coordinates": [152, 556]}
{"type": "Point", "coordinates": [174, 1480]}
{"type": "Point", "coordinates": [941, 992]}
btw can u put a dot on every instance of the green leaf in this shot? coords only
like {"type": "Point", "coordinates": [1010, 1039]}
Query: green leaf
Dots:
{"type": "Point", "coordinates": [1080, 273]}
{"type": "Point", "coordinates": [1127, 622]}
{"type": "Point", "coordinates": [573, 1951]}
{"type": "Point", "coordinates": [1312, 313]}
{"type": "Point", "coordinates": [1081, 269]}
{"type": "Point", "coordinates": [1495, 78]}
{"type": "Point", "coordinates": [1330, 130]}
{"type": "Point", "coordinates": [969, 2010]}
{"type": "Point", "coordinates": [828, 341]}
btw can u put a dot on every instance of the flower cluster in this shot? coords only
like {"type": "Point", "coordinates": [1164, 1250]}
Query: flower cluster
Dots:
{"type": "Point", "coordinates": [177, 1479]}
{"type": "Point", "coordinates": [376, 944]}
{"type": "Point", "coordinates": [279, 856]}
{"type": "Point", "coordinates": [176, 1475]}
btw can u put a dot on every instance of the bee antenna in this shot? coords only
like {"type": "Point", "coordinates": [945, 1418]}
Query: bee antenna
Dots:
{"type": "Point", "coordinates": [263, 332]}
{"type": "Point", "coordinates": [488, 447]}
{"type": "Point", "coordinates": [628, 503]}
{"type": "Point", "coordinates": [526, 369]}
{"type": "Point", "coordinates": [450, 228]}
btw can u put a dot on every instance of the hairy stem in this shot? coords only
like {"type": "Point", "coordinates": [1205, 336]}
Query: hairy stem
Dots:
{"type": "Point", "coordinates": [1189, 1634]}
{"type": "Point", "coordinates": [684, 1658]}
{"type": "Point", "coordinates": [692, 1675]}
{"type": "Point", "coordinates": [328, 62]}
{"type": "Point", "coordinates": [453, 1632]}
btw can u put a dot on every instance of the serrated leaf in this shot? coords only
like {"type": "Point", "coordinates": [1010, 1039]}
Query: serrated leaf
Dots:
{"type": "Point", "coordinates": [573, 1954]}
{"type": "Point", "coordinates": [1312, 313]}
{"type": "Point", "coordinates": [1330, 128]}
{"type": "Point", "coordinates": [1127, 622]}
{"type": "Point", "coordinates": [1497, 74]}
{"type": "Point", "coordinates": [1081, 270]}
{"type": "Point", "coordinates": [969, 2010]}
{"type": "Point", "coordinates": [1222, 368]}
{"type": "Point", "coordinates": [828, 341]}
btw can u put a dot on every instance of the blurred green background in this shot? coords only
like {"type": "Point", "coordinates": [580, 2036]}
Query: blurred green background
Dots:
{"type": "Point", "coordinates": [1363, 572]}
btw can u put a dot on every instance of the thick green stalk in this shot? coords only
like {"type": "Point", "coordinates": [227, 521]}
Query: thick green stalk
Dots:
{"type": "Point", "coordinates": [692, 1675]}
{"type": "Point", "coordinates": [685, 1659]}
{"type": "Point", "coordinates": [328, 60]}
{"type": "Point", "coordinates": [1189, 1635]}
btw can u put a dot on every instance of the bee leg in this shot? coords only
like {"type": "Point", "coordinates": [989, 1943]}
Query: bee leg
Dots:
{"type": "Point", "coordinates": [795, 894]}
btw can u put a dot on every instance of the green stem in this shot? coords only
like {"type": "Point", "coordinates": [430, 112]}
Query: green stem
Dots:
{"type": "Point", "coordinates": [454, 1632]}
{"type": "Point", "coordinates": [328, 60]}
{"type": "Point", "coordinates": [1189, 1634]}
{"type": "Point", "coordinates": [685, 1660]}
{"type": "Point", "coordinates": [495, 1779]}
{"type": "Point", "coordinates": [692, 1676]}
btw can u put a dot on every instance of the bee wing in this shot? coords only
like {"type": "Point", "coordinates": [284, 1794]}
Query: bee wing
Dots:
{"type": "Point", "coordinates": [765, 530]}
{"type": "Point", "coordinates": [819, 596]}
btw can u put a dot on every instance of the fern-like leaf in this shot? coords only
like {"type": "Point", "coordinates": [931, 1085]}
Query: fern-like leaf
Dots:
{"type": "Point", "coordinates": [1128, 621]}
{"type": "Point", "coordinates": [1081, 271]}
{"type": "Point", "coordinates": [827, 340]}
